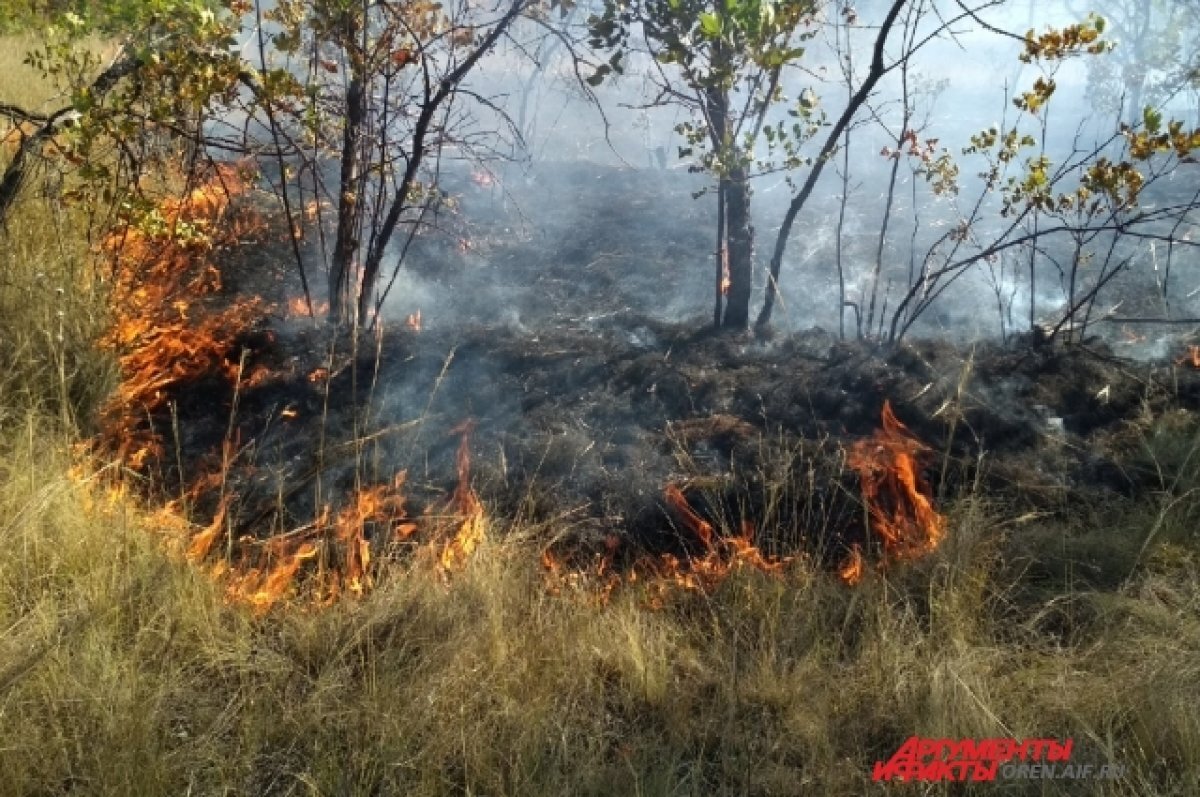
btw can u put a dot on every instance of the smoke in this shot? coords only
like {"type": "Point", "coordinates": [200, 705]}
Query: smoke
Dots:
{"type": "Point", "coordinates": [590, 180]}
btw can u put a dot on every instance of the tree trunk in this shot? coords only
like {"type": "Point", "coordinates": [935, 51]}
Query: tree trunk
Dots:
{"type": "Point", "coordinates": [735, 202]}
{"type": "Point", "coordinates": [740, 235]}
{"type": "Point", "coordinates": [346, 243]}
{"type": "Point", "coordinates": [722, 257]}
{"type": "Point", "coordinates": [877, 71]}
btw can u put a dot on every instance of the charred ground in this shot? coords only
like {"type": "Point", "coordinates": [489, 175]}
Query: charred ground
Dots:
{"type": "Point", "coordinates": [559, 334]}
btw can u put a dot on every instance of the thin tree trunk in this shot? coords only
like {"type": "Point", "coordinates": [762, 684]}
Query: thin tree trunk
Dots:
{"type": "Point", "coordinates": [883, 229]}
{"type": "Point", "coordinates": [435, 95]}
{"type": "Point", "coordinates": [348, 229]}
{"type": "Point", "coordinates": [740, 237]}
{"type": "Point", "coordinates": [735, 199]}
{"type": "Point", "coordinates": [722, 254]}
{"type": "Point", "coordinates": [876, 72]}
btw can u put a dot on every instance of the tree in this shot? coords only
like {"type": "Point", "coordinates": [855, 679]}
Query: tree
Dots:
{"type": "Point", "coordinates": [1083, 212]}
{"type": "Point", "coordinates": [379, 97]}
{"type": "Point", "coordinates": [724, 61]}
{"type": "Point", "coordinates": [126, 114]}
{"type": "Point", "coordinates": [1155, 58]}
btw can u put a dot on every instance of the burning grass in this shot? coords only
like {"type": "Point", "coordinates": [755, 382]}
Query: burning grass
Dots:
{"type": "Point", "coordinates": [897, 498]}
{"type": "Point", "coordinates": [126, 672]}
{"type": "Point", "coordinates": [732, 670]}
{"type": "Point", "coordinates": [173, 329]}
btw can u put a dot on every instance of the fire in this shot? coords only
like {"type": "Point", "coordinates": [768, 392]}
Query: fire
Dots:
{"type": "Point", "coordinates": [698, 526]}
{"type": "Point", "coordinates": [202, 542]}
{"type": "Point", "coordinates": [413, 321]}
{"type": "Point", "coordinates": [297, 307]}
{"type": "Point", "coordinates": [383, 506]}
{"type": "Point", "coordinates": [171, 328]}
{"type": "Point", "coordinates": [1192, 358]}
{"type": "Point", "coordinates": [164, 330]}
{"type": "Point", "coordinates": [464, 503]}
{"type": "Point", "coordinates": [899, 502]}
{"type": "Point", "coordinates": [703, 572]}
{"type": "Point", "coordinates": [726, 279]}
{"type": "Point", "coordinates": [261, 589]}
{"type": "Point", "coordinates": [851, 570]}
{"type": "Point", "coordinates": [721, 556]}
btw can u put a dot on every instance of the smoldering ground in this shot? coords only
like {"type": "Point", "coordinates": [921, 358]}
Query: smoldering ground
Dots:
{"type": "Point", "coordinates": [565, 293]}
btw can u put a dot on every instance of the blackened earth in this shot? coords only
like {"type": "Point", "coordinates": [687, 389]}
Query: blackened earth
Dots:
{"type": "Point", "coordinates": [573, 326]}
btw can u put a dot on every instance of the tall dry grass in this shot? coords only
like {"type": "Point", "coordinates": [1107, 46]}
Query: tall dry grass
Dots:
{"type": "Point", "coordinates": [123, 671]}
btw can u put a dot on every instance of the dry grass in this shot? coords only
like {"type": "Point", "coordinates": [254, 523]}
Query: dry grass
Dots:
{"type": "Point", "coordinates": [123, 671]}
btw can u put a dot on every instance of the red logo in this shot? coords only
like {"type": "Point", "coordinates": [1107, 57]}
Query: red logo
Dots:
{"type": "Point", "coordinates": [979, 761]}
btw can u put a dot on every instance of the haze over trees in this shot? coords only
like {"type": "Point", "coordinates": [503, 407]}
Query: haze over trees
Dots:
{"type": "Point", "coordinates": [351, 110]}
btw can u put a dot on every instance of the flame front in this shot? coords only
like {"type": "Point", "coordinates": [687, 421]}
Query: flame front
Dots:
{"type": "Point", "coordinates": [298, 307]}
{"type": "Point", "coordinates": [164, 331]}
{"type": "Point", "coordinates": [698, 525]}
{"type": "Point", "coordinates": [168, 331]}
{"type": "Point", "coordinates": [703, 572]}
{"type": "Point", "coordinates": [899, 502]}
{"type": "Point", "coordinates": [263, 588]}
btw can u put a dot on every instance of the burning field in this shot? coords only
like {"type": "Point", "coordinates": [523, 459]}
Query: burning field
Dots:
{"type": "Point", "coordinates": [531, 525]}
{"type": "Point", "coordinates": [533, 532]}
{"type": "Point", "coordinates": [300, 468]}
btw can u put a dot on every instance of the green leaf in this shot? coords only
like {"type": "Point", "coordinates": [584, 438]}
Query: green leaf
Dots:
{"type": "Point", "coordinates": [710, 24]}
{"type": "Point", "coordinates": [1153, 120]}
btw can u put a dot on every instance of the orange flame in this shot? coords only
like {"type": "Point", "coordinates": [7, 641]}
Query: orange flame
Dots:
{"type": "Point", "coordinates": [1192, 358]}
{"type": "Point", "coordinates": [698, 525]}
{"type": "Point", "coordinates": [851, 570]}
{"type": "Point", "coordinates": [661, 574]}
{"type": "Point", "coordinates": [297, 307]}
{"type": "Point", "coordinates": [202, 542]}
{"type": "Point", "coordinates": [263, 589]}
{"type": "Point", "coordinates": [384, 505]}
{"type": "Point", "coordinates": [413, 321]}
{"type": "Point", "coordinates": [163, 331]}
{"type": "Point", "coordinates": [899, 502]}
{"type": "Point", "coordinates": [465, 503]}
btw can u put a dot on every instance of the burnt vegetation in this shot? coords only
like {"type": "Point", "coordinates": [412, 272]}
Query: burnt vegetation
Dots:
{"type": "Point", "coordinates": [386, 405]}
